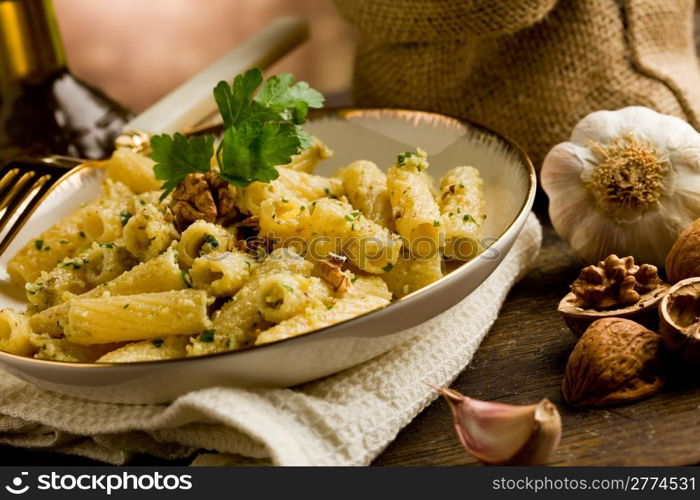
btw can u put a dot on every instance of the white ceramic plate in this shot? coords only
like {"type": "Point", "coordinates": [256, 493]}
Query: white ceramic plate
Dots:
{"type": "Point", "coordinates": [377, 135]}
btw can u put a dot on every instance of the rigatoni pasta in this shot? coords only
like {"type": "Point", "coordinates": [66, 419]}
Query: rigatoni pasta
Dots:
{"type": "Point", "coordinates": [221, 274]}
{"type": "Point", "coordinates": [119, 282]}
{"type": "Point", "coordinates": [416, 213]}
{"type": "Point", "coordinates": [148, 232]}
{"type": "Point", "coordinates": [462, 209]}
{"type": "Point", "coordinates": [307, 160]}
{"type": "Point", "coordinates": [366, 294]}
{"type": "Point", "coordinates": [64, 240]}
{"type": "Point", "coordinates": [15, 333]}
{"type": "Point", "coordinates": [410, 274]}
{"type": "Point", "coordinates": [122, 318]}
{"type": "Point", "coordinates": [172, 346]}
{"type": "Point", "coordinates": [133, 170]}
{"type": "Point", "coordinates": [365, 187]}
{"type": "Point", "coordinates": [202, 238]}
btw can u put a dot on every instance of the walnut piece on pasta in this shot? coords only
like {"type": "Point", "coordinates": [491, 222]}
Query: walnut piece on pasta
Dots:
{"type": "Point", "coordinates": [203, 197]}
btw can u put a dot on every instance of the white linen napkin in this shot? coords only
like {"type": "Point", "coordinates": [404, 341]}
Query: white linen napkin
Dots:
{"type": "Point", "coordinates": [345, 419]}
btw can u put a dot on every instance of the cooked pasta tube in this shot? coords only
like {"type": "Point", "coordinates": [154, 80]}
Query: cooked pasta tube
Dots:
{"type": "Point", "coordinates": [283, 295]}
{"type": "Point", "coordinates": [365, 187]}
{"type": "Point", "coordinates": [106, 261]}
{"type": "Point", "coordinates": [170, 347]}
{"type": "Point", "coordinates": [125, 318]}
{"type": "Point", "coordinates": [15, 332]}
{"type": "Point", "coordinates": [61, 350]}
{"type": "Point", "coordinates": [58, 285]}
{"type": "Point", "coordinates": [132, 169]}
{"type": "Point", "coordinates": [284, 220]}
{"type": "Point", "coordinates": [158, 275]}
{"type": "Point", "coordinates": [235, 325]}
{"type": "Point", "coordinates": [307, 160]}
{"type": "Point", "coordinates": [100, 263]}
{"type": "Point", "coordinates": [64, 240]}
{"type": "Point", "coordinates": [221, 274]}
{"type": "Point", "coordinates": [289, 184]}
{"type": "Point", "coordinates": [415, 211]}
{"type": "Point", "coordinates": [411, 274]}
{"type": "Point", "coordinates": [327, 227]}
{"type": "Point", "coordinates": [463, 211]}
{"type": "Point", "coordinates": [366, 294]}
{"type": "Point", "coordinates": [104, 222]}
{"type": "Point", "coordinates": [147, 233]}
{"type": "Point", "coordinates": [202, 238]}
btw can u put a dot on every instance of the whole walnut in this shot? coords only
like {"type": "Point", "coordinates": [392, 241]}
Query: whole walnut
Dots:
{"type": "Point", "coordinates": [683, 260]}
{"type": "Point", "coordinates": [615, 361]}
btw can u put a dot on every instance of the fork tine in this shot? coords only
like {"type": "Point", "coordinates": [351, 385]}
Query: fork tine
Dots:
{"type": "Point", "coordinates": [7, 175]}
{"type": "Point", "coordinates": [17, 188]}
{"type": "Point", "coordinates": [39, 188]}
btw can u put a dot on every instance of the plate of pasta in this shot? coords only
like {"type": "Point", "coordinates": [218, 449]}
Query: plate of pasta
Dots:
{"type": "Point", "coordinates": [118, 291]}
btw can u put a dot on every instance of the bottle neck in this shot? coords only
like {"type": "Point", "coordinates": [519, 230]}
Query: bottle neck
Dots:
{"type": "Point", "coordinates": [30, 43]}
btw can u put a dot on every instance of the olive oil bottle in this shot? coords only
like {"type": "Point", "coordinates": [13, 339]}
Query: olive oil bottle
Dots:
{"type": "Point", "coordinates": [43, 107]}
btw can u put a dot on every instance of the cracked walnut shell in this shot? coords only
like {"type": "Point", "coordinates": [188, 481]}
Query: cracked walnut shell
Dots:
{"type": "Point", "coordinates": [616, 287]}
{"type": "Point", "coordinates": [679, 314]}
{"type": "Point", "coordinates": [615, 361]}
{"type": "Point", "coordinates": [683, 260]}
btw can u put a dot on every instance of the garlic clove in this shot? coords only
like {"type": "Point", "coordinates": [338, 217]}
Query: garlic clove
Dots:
{"type": "Point", "coordinates": [497, 433]}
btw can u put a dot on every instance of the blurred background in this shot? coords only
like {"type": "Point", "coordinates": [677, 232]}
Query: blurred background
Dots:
{"type": "Point", "coordinates": [136, 50]}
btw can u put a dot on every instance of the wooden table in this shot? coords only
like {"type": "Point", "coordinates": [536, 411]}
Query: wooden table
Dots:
{"type": "Point", "coordinates": [521, 361]}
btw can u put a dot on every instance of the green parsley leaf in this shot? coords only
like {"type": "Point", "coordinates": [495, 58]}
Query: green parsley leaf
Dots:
{"type": "Point", "coordinates": [177, 155]}
{"type": "Point", "coordinates": [185, 279]}
{"type": "Point", "coordinates": [125, 215]}
{"type": "Point", "coordinates": [469, 218]}
{"type": "Point", "coordinates": [388, 267]}
{"type": "Point", "coordinates": [290, 100]}
{"type": "Point", "coordinates": [157, 342]}
{"type": "Point", "coordinates": [260, 132]}
{"type": "Point", "coordinates": [81, 234]}
{"type": "Point", "coordinates": [250, 152]}
{"type": "Point", "coordinates": [401, 159]}
{"type": "Point", "coordinates": [207, 336]}
{"type": "Point", "coordinates": [236, 103]}
{"type": "Point", "coordinates": [211, 240]}
{"type": "Point", "coordinates": [288, 288]}
{"type": "Point", "coordinates": [38, 244]}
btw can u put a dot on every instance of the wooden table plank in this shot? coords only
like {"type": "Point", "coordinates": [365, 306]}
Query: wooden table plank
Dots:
{"type": "Point", "coordinates": [522, 360]}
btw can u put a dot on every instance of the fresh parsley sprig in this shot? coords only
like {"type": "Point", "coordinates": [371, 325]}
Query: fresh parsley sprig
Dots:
{"type": "Point", "coordinates": [261, 131]}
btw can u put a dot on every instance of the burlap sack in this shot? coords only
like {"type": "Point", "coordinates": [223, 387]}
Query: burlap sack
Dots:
{"type": "Point", "coordinates": [528, 68]}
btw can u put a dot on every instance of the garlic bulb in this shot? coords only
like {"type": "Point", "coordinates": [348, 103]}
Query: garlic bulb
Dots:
{"type": "Point", "coordinates": [626, 183]}
{"type": "Point", "coordinates": [497, 433]}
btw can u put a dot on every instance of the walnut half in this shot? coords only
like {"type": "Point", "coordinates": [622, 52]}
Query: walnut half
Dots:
{"type": "Point", "coordinates": [614, 282]}
{"type": "Point", "coordinates": [616, 287]}
{"type": "Point", "coordinates": [679, 314]}
{"type": "Point", "coordinates": [203, 197]}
